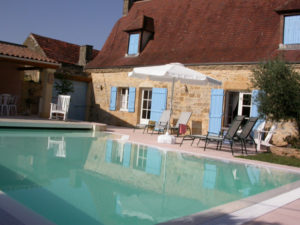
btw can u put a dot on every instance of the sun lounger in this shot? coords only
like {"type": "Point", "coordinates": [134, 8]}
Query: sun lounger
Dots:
{"type": "Point", "coordinates": [183, 120]}
{"type": "Point", "coordinates": [161, 125]}
{"type": "Point", "coordinates": [245, 135]}
{"type": "Point", "coordinates": [230, 134]}
{"type": "Point", "coordinates": [158, 126]}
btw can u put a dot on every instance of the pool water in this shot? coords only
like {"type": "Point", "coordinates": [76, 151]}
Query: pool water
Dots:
{"type": "Point", "coordinates": [79, 177]}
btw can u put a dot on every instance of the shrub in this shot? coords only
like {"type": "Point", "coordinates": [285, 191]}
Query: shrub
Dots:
{"type": "Point", "coordinates": [279, 98]}
{"type": "Point", "coordinates": [64, 87]}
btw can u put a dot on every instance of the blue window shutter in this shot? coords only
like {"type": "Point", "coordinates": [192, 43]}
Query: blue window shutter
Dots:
{"type": "Point", "coordinates": [254, 108]}
{"type": "Point", "coordinates": [113, 98]}
{"type": "Point", "coordinates": [153, 161]}
{"type": "Point", "coordinates": [254, 104]}
{"type": "Point", "coordinates": [216, 111]}
{"type": "Point", "coordinates": [126, 155]}
{"type": "Point", "coordinates": [133, 46]}
{"type": "Point", "coordinates": [131, 99]}
{"type": "Point", "coordinates": [291, 30]}
{"type": "Point", "coordinates": [158, 103]}
{"type": "Point", "coordinates": [109, 145]}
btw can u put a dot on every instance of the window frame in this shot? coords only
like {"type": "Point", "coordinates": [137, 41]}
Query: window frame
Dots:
{"type": "Point", "coordinates": [241, 104]}
{"type": "Point", "coordinates": [149, 102]}
{"type": "Point", "coordinates": [284, 27]}
{"type": "Point", "coordinates": [121, 100]}
{"type": "Point", "coordinates": [228, 112]}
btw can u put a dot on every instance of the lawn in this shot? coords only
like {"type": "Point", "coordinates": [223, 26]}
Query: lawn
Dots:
{"type": "Point", "coordinates": [272, 158]}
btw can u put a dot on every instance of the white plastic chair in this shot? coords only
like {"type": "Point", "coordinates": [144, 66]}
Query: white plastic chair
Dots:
{"type": "Point", "coordinates": [260, 131]}
{"type": "Point", "coordinates": [12, 104]}
{"type": "Point", "coordinates": [61, 108]}
{"type": "Point", "coordinates": [4, 104]}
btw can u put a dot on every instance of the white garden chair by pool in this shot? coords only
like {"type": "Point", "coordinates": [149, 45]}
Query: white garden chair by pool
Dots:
{"type": "Point", "coordinates": [258, 133]}
{"type": "Point", "coordinates": [4, 101]}
{"type": "Point", "coordinates": [13, 104]}
{"type": "Point", "coordinates": [60, 109]}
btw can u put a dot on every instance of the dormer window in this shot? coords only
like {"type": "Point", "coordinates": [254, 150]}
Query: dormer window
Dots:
{"type": "Point", "coordinates": [133, 44]}
{"type": "Point", "coordinates": [139, 34]}
{"type": "Point", "coordinates": [291, 30]}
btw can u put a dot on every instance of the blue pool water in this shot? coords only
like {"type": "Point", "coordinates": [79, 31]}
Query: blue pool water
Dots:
{"type": "Point", "coordinates": [75, 177]}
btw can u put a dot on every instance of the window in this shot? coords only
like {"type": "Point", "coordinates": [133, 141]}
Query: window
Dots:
{"type": "Point", "coordinates": [124, 99]}
{"type": "Point", "coordinates": [236, 103]}
{"type": "Point", "coordinates": [244, 104]}
{"type": "Point", "coordinates": [146, 106]}
{"type": "Point", "coordinates": [291, 30]}
{"type": "Point", "coordinates": [134, 44]}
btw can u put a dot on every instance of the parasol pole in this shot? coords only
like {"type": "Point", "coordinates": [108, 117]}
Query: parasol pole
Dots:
{"type": "Point", "coordinates": [171, 104]}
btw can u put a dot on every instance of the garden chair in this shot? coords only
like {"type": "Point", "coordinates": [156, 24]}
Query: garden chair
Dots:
{"type": "Point", "coordinates": [161, 125]}
{"type": "Point", "coordinates": [193, 137]}
{"type": "Point", "coordinates": [260, 132]}
{"type": "Point", "coordinates": [12, 103]}
{"type": "Point", "coordinates": [60, 109]}
{"type": "Point", "coordinates": [229, 135]}
{"type": "Point", "coordinates": [245, 135]}
{"type": "Point", "coordinates": [183, 120]}
{"type": "Point", "coordinates": [4, 103]}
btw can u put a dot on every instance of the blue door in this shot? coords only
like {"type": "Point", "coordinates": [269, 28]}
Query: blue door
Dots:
{"type": "Point", "coordinates": [78, 99]}
{"type": "Point", "coordinates": [216, 111]}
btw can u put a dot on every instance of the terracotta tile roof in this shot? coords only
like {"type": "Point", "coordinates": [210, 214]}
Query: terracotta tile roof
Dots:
{"type": "Point", "coordinates": [198, 31]}
{"type": "Point", "coordinates": [290, 5]}
{"type": "Point", "coordinates": [22, 52]}
{"type": "Point", "coordinates": [60, 51]}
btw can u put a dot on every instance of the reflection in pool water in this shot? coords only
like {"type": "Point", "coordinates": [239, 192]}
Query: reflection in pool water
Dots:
{"type": "Point", "coordinates": [79, 178]}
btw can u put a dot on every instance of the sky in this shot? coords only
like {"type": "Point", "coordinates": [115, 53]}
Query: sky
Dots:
{"type": "Point", "coordinates": [82, 22]}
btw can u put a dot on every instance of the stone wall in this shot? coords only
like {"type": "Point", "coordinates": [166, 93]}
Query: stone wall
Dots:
{"type": "Point", "coordinates": [195, 99]}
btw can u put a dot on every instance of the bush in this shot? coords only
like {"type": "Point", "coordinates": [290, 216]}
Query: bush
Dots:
{"type": "Point", "coordinates": [64, 87]}
{"type": "Point", "coordinates": [279, 98]}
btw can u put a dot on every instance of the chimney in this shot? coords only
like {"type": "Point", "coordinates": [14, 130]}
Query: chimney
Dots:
{"type": "Point", "coordinates": [85, 54]}
{"type": "Point", "coordinates": [127, 5]}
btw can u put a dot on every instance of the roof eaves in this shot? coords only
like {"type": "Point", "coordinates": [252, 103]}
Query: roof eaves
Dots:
{"type": "Point", "coordinates": [51, 63]}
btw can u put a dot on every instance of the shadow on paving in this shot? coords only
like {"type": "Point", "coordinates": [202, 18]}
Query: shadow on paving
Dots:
{"type": "Point", "coordinates": [213, 219]}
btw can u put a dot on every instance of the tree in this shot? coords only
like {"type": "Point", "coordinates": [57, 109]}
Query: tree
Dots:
{"type": "Point", "coordinates": [63, 87]}
{"type": "Point", "coordinates": [279, 98]}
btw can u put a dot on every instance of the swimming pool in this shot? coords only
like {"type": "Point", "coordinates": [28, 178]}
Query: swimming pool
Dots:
{"type": "Point", "coordinates": [80, 177]}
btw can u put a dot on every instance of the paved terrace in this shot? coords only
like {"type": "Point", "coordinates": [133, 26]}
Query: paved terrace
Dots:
{"type": "Point", "coordinates": [282, 207]}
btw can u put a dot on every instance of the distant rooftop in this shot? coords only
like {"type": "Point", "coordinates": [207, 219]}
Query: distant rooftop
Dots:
{"type": "Point", "coordinates": [17, 51]}
{"type": "Point", "coordinates": [60, 51]}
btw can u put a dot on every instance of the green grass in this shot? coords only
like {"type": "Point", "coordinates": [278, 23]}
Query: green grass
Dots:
{"type": "Point", "coordinates": [269, 157]}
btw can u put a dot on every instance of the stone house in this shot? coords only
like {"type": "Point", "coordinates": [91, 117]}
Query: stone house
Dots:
{"type": "Point", "coordinates": [15, 61]}
{"type": "Point", "coordinates": [224, 39]}
{"type": "Point", "coordinates": [72, 58]}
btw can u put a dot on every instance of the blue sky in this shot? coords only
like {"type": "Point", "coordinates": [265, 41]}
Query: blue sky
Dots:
{"type": "Point", "coordinates": [75, 21]}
